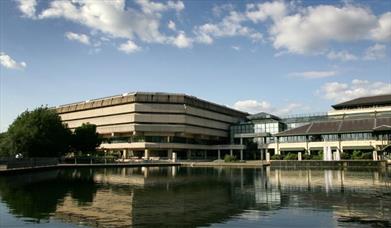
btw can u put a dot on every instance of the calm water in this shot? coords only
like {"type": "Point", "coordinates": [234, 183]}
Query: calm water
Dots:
{"type": "Point", "coordinates": [194, 197]}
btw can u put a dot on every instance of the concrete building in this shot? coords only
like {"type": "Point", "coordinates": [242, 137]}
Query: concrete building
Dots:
{"type": "Point", "coordinates": [156, 125]}
{"type": "Point", "coordinates": [165, 125]}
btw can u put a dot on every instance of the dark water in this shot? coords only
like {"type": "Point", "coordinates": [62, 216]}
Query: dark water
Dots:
{"type": "Point", "coordinates": [196, 197]}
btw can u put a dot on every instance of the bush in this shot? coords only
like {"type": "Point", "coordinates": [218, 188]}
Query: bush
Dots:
{"type": "Point", "coordinates": [229, 158]}
{"type": "Point", "coordinates": [291, 156]}
{"type": "Point", "coordinates": [345, 156]}
{"type": "Point", "coordinates": [277, 157]}
{"type": "Point", "coordinates": [367, 155]}
{"type": "Point", "coordinates": [307, 157]}
{"type": "Point", "coordinates": [356, 155]}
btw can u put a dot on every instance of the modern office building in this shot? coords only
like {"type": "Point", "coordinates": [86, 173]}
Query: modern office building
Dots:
{"type": "Point", "coordinates": [154, 125]}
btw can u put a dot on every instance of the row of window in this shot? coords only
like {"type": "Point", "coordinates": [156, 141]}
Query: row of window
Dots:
{"type": "Point", "coordinates": [162, 139]}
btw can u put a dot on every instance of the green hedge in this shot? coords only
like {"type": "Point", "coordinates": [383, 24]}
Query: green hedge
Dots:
{"type": "Point", "coordinates": [229, 158]}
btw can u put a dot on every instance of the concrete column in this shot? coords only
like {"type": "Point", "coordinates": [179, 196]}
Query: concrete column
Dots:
{"type": "Point", "coordinates": [188, 154]}
{"type": "Point", "coordinates": [169, 154]}
{"type": "Point", "coordinates": [218, 155]}
{"type": "Point", "coordinates": [374, 155]}
{"type": "Point", "coordinates": [262, 153]}
{"type": "Point", "coordinates": [124, 154]}
{"type": "Point", "coordinates": [299, 156]}
{"type": "Point", "coordinates": [267, 156]}
{"type": "Point", "coordinates": [231, 152]}
{"type": "Point", "coordinates": [174, 157]}
{"type": "Point", "coordinates": [205, 154]}
{"type": "Point", "coordinates": [146, 154]}
{"type": "Point", "coordinates": [241, 155]}
{"type": "Point", "coordinates": [337, 155]}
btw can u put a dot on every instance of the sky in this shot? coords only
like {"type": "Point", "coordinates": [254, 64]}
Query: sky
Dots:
{"type": "Point", "coordinates": [282, 57]}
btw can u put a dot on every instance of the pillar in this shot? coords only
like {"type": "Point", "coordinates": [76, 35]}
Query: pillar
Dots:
{"type": "Point", "coordinates": [146, 154]}
{"type": "Point", "coordinates": [169, 154]}
{"type": "Point", "coordinates": [374, 155]}
{"type": "Point", "coordinates": [205, 154]}
{"type": "Point", "coordinates": [241, 155]}
{"type": "Point", "coordinates": [218, 155]}
{"type": "Point", "coordinates": [124, 154]}
{"type": "Point", "coordinates": [188, 153]}
{"type": "Point", "coordinates": [174, 157]}
{"type": "Point", "coordinates": [299, 156]}
{"type": "Point", "coordinates": [262, 153]}
{"type": "Point", "coordinates": [337, 155]}
{"type": "Point", "coordinates": [231, 152]}
{"type": "Point", "coordinates": [267, 156]}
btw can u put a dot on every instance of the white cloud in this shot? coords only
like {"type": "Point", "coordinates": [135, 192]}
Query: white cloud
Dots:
{"type": "Point", "coordinates": [229, 26]}
{"type": "Point", "coordinates": [129, 47]}
{"type": "Point", "coordinates": [182, 41]}
{"type": "Point", "coordinates": [377, 51]}
{"type": "Point", "coordinates": [8, 62]}
{"type": "Point", "coordinates": [27, 7]}
{"type": "Point", "coordinates": [339, 92]}
{"type": "Point", "coordinates": [171, 25]}
{"type": "Point", "coordinates": [314, 74]}
{"type": "Point", "coordinates": [81, 38]}
{"type": "Point", "coordinates": [236, 48]}
{"type": "Point", "coordinates": [311, 30]}
{"type": "Point", "coordinates": [342, 56]}
{"type": "Point", "coordinates": [112, 18]}
{"type": "Point", "coordinates": [260, 12]}
{"type": "Point", "coordinates": [383, 30]}
{"type": "Point", "coordinates": [254, 106]}
{"type": "Point", "coordinates": [155, 7]}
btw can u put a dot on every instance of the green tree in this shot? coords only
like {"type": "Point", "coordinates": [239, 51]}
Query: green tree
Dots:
{"type": "Point", "coordinates": [38, 133]}
{"type": "Point", "coordinates": [85, 139]}
{"type": "Point", "coordinates": [4, 145]}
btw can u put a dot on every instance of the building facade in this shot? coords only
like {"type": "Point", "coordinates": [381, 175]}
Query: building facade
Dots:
{"type": "Point", "coordinates": [155, 125]}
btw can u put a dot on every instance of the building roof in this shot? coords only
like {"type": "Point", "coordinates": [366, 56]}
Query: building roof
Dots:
{"type": "Point", "coordinates": [149, 97]}
{"type": "Point", "coordinates": [340, 126]}
{"type": "Point", "coordinates": [365, 102]}
{"type": "Point", "coordinates": [262, 115]}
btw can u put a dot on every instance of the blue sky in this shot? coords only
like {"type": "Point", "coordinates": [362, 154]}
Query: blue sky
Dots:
{"type": "Point", "coordinates": [283, 57]}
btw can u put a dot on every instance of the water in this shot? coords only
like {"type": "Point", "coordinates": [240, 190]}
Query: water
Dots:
{"type": "Point", "coordinates": [196, 197]}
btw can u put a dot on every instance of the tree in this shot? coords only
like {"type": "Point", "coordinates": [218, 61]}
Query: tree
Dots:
{"type": "Point", "coordinates": [4, 145]}
{"type": "Point", "coordinates": [85, 139]}
{"type": "Point", "coordinates": [38, 133]}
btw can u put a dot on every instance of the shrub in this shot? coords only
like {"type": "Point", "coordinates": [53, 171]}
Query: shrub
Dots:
{"type": "Point", "coordinates": [307, 157]}
{"type": "Point", "coordinates": [345, 156]}
{"type": "Point", "coordinates": [277, 157]}
{"type": "Point", "coordinates": [229, 158]}
{"type": "Point", "coordinates": [356, 155]}
{"type": "Point", "coordinates": [367, 155]}
{"type": "Point", "coordinates": [291, 156]}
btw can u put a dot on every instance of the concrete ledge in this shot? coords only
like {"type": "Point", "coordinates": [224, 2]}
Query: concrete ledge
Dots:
{"type": "Point", "coordinates": [39, 168]}
{"type": "Point", "coordinates": [329, 164]}
{"type": "Point", "coordinates": [249, 164]}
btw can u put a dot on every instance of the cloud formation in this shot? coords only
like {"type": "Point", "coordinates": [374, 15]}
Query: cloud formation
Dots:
{"type": "Point", "coordinates": [254, 106]}
{"type": "Point", "coordinates": [314, 74]}
{"type": "Point", "coordinates": [377, 51]}
{"type": "Point", "coordinates": [81, 38]}
{"type": "Point", "coordinates": [129, 47]}
{"type": "Point", "coordinates": [339, 92]}
{"type": "Point", "coordinates": [8, 62]}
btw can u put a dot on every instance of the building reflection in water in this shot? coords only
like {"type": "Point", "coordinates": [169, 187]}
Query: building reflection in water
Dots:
{"type": "Point", "coordinates": [192, 196]}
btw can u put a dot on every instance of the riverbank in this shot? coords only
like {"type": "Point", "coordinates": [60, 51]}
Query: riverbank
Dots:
{"type": "Point", "coordinates": [221, 163]}
{"type": "Point", "coordinates": [98, 165]}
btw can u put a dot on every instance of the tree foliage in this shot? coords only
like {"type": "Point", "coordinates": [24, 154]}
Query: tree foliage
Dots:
{"type": "Point", "coordinates": [85, 138]}
{"type": "Point", "coordinates": [37, 133]}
